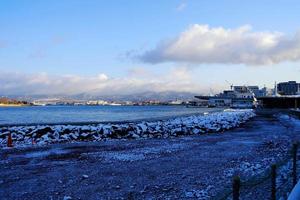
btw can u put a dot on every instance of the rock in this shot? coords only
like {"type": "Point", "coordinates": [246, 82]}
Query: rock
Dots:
{"type": "Point", "coordinates": [189, 194]}
{"type": "Point", "coordinates": [85, 129]}
{"type": "Point", "coordinates": [85, 135]}
{"type": "Point", "coordinates": [134, 136]}
{"type": "Point", "coordinates": [174, 127]}
{"type": "Point", "coordinates": [74, 136]}
{"type": "Point", "coordinates": [85, 176]}
{"type": "Point", "coordinates": [143, 127]}
{"type": "Point", "coordinates": [130, 196]}
{"type": "Point", "coordinates": [42, 131]}
{"type": "Point", "coordinates": [67, 198]}
{"type": "Point", "coordinates": [106, 130]}
{"type": "Point", "coordinates": [66, 131]}
{"type": "Point", "coordinates": [146, 188]}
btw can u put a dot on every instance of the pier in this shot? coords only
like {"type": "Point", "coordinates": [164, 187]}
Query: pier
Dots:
{"type": "Point", "coordinates": [280, 102]}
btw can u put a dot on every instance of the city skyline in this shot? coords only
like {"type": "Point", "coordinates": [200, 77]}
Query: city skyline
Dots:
{"type": "Point", "coordinates": [117, 47]}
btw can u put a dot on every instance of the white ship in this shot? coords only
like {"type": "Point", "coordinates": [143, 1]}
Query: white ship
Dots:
{"type": "Point", "coordinates": [238, 97]}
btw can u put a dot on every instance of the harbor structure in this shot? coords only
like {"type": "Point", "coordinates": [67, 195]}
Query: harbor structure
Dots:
{"type": "Point", "coordinates": [286, 95]}
{"type": "Point", "coordinates": [237, 97]}
{"type": "Point", "coordinates": [288, 88]}
{"type": "Point", "coordinates": [292, 101]}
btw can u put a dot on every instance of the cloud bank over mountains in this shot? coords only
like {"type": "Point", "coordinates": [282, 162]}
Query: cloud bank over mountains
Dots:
{"type": "Point", "coordinates": [201, 44]}
{"type": "Point", "coordinates": [178, 79]}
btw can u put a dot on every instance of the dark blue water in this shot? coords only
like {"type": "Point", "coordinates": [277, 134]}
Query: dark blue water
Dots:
{"type": "Point", "coordinates": [78, 114]}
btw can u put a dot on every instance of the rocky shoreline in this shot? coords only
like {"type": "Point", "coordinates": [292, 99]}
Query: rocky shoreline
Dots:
{"type": "Point", "coordinates": [191, 125]}
{"type": "Point", "coordinates": [189, 167]}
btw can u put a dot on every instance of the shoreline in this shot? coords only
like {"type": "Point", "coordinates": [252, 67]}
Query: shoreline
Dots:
{"type": "Point", "coordinates": [175, 164]}
{"type": "Point", "coordinates": [177, 126]}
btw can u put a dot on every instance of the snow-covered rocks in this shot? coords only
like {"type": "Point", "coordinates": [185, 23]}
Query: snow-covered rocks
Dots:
{"type": "Point", "coordinates": [191, 125]}
{"type": "Point", "coordinates": [84, 176]}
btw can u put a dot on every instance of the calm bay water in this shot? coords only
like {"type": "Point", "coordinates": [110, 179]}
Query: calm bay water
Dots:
{"type": "Point", "coordinates": [78, 114]}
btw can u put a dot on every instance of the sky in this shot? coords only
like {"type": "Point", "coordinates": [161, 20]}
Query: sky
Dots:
{"type": "Point", "coordinates": [130, 46]}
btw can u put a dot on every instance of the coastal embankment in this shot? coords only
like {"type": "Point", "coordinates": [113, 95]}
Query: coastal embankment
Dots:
{"type": "Point", "coordinates": [178, 126]}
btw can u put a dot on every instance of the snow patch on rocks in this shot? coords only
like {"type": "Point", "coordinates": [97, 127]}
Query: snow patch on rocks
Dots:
{"type": "Point", "coordinates": [190, 125]}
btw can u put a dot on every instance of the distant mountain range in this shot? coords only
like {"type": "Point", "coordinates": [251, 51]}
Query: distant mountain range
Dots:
{"type": "Point", "coordinates": [137, 97]}
{"type": "Point", "coordinates": [154, 96]}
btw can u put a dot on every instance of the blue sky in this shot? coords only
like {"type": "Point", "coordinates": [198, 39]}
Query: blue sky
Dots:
{"type": "Point", "coordinates": [49, 45]}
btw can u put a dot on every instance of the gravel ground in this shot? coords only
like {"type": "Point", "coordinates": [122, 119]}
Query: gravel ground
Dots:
{"type": "Point", "coordinates": [189, 167]}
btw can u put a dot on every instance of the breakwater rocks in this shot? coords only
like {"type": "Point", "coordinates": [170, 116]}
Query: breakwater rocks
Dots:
{"type": "Point", "coordinates": [192, 125]}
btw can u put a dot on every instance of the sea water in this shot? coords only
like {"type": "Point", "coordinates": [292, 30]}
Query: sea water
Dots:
{"type": "Point", "coordinates": [84, 114]}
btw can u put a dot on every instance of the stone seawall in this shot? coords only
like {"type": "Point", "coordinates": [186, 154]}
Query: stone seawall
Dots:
{"type": "Point", "coordinates": [191, 125]}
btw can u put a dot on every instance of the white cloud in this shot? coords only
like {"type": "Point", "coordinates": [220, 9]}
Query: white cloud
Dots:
{"type": "Point", "coordinates": [178, 79]}
{"type": "Point", "coordinates": [203, 44]}
{"type": "Point", "coordinates": [102, 77]}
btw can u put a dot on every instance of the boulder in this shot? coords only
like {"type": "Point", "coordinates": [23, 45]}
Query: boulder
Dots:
{"type": "Point", "coordinates": [41, 131]}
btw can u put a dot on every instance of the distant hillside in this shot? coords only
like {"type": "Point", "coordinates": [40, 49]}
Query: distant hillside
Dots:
{"type": "Point", "coordinates": [144, 96]}
{"type": "Point", "coordinates": [8, 101]}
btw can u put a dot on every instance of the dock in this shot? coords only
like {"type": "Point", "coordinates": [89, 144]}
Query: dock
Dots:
{"type": "Point", "coordinates": [280, 101]}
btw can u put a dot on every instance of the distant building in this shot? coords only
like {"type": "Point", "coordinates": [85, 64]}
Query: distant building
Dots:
{"type": "Point", "coordinates": [96, 102]}
{"type": "Point", "coordinates": [177, 102]}
{"type": "Point", "coordinates": [288, 88]}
